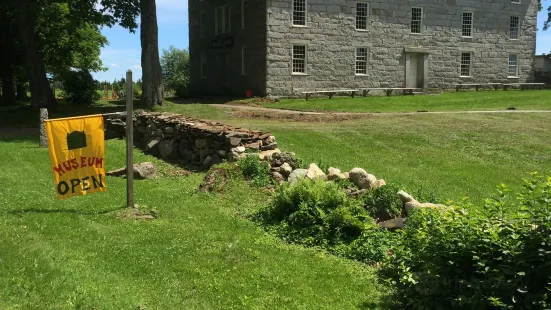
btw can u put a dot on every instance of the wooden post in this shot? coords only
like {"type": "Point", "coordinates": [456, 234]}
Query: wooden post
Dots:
{"type": "Point", "coordinates": [43, 136]}
{"type": "Point", "coordinates": [129, 142]}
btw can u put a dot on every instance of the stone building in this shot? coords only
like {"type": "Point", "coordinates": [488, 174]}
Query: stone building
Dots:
{"type": "Point", "coordinates": [283, 47]}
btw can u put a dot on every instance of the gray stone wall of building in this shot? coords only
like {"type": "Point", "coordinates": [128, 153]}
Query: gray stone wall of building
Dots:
{"type": "Point", "coordinates": [331, 40]}
{"type": "Point", "coordinates": [224, 60]}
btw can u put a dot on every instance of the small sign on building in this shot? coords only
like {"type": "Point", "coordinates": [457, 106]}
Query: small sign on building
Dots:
{"type": "Point", "coordinates": [77, 149]}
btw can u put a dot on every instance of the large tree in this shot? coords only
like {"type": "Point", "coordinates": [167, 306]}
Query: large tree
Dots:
{"type": "Point", "coordinates": [6, 60]}
{"type": "Point", "coordinates": [152, 87]}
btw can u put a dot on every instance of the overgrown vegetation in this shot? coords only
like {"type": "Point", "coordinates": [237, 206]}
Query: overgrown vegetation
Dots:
{"type": "Point", "coordinates": [495, 257]}
{"type": "Point", "coordinates": [175, 68]}
{"type": "Point", "coordinates": [255, 170]}
{"type": "Point", "coordinates": [79, 87]}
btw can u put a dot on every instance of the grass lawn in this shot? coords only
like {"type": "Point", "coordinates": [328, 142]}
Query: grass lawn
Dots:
{"type": "Point", "coordinates": [201, 253]}
{"type": "Point", "coordinates": [452, 155]}
{"type": "Point", "coordinates": [461, 101]}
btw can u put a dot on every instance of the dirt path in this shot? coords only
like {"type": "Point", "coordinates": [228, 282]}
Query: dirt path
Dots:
{"type": "Point", "coordinates": [283, 111]}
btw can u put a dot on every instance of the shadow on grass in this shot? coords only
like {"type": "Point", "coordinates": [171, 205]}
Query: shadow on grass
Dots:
{"type": "Point", "coordinates": [201, 100]}
{"type": "Point", "coordinates": [67, 211]}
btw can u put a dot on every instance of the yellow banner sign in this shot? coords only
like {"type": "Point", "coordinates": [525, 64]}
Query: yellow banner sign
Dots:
{"type": "Point", "coordinates": [77, 153]}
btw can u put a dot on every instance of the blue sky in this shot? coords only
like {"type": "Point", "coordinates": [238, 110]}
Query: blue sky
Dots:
{"type": "Point", "coordinates": [123, 51]}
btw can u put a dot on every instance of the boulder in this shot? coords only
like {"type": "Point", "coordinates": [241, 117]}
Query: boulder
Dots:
{"type": "Point", "coordinates": [169, 130]}
{"type": "Point", "coordinates": [268, 154]}
{"type": "Point", "coordinates": [277, 177]}
{"type": "Point", "coordinates": [142, 171]}
{"type": "Point", "coordinates": [234, 141]}
{"type": "Point", "coordinates": [414, 205]}
{"type": "Point", "coordinates": [286, 170]}
{"type": "Point", "coordinates": [167, 148]}
{"type": "Point", "coordinates": [270, 140]}
{"type": "Point", "coordinates": [297, 175]}
{"type": "Point", "coordinates": [239, 149]}
{"type": "Point", "coordinates": [362, 179]}
{"type": "Point", "coordinates": [314, 172]}
{"type": "Point", "coordinates": [235, 156]}
{"type": "Point", "coordinates": [201, 143]}
{"type": "Point", "coordinates": [379, 183]}
{"type": "Point", "coordinates": [335, 174]}
{"type": "Point", "coordinates": [212, 159]}
{"type": "Point", "coordinates": [393, 223]}
{"type": "Point", "coordinates": [271, 146]}
{"type": "Point", "coordinates": [405, 197]}
{"type": "Point", "coordinates": [279, 159]}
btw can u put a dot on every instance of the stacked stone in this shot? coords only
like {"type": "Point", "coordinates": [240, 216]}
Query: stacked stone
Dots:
{"type": "Point", "coordinates": [202, 143]}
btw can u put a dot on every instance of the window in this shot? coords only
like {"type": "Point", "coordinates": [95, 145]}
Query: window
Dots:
{"type": "Point", "coordinates": [362, 13]}
{"type": "Point", "coordinates": [465, 64]}
{"type": "Point", "coordinates": [513, 66]}
{"type": "Point", "coordinates": [203, 66]}
{"type": "Point", "coordinates": [299, 59]}
{"type": "Point", "coordinates": [203, 25]}
{"type": "Point", "coordinates": [244, 14]}
{"type": "Point", "coordinates": [515, 1]}
{"type": "Point", "coordinates": [299, 12]}
{"type": "Point", "coordinates": [416, 20]}
{"type": "Point", "coordinates": [514, 26]}
{"type": "Point", "coordinates": [245, 60]}
{"type": "Point", "coordinates": [361, 60]}
{"type": "Point", "coordinates": [222, 19]}
{"type": "Point", "coordinates": [467, 28]}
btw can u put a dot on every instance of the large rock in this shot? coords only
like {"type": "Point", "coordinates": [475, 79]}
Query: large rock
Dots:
{"type": "Point", "coordinates": [405, 197]}
{"type": "Point", "coordinates": [362, 179]}
{"type": "Point", "coordinates": [268, 154]}
{"type": "Point", "coordinates": [201, 143]}
{"type": "Point", "coordinates": [297, 175]}
{"type": "Point", "coordinates": [314, 172]}
{"type": "Point", "coordinates": [235, 156]}
{"type": "Point", "coordinates": [286, 170]}
{"type": "Point", "coordinates": [271, 146]}
{"type": "Point", "coordinates": [393, 223]}
{"type": "Point", "coordinates": [414, 205]}
{"type": "Point", "coordinates": [379, 183]}
{"type": "Point", "coordinates": [212, 159]}
{"type": "Point", "coordinates": [277, 177]}
{"type": "Point", "coordinates": [279, 159]}
{"type": "Point", "coordinates": [142, 171]}
{"type": "Point", "coordinates": [335, 174]}
{"type": "Point", "coordinates": [167, 148]}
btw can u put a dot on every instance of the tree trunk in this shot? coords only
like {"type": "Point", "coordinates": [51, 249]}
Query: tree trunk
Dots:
{"type": "Point", "coordinates": [6, 62]}
{"type": "Point", "coordinates": [153, 90]}
{"type": "Point", "coordinates": [21, 91]}
{"type": "Point", "coordinates": [41, 94]}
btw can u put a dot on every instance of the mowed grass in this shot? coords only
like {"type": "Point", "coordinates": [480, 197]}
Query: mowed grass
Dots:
{"type": "Point", "coordinates": [452, 155]}
{"type": "Point", "coordinates": [201, 253]}
{"type": "Point", "coordinates": [450, 101]}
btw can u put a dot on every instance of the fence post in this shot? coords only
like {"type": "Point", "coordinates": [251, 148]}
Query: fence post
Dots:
{"type": "Point", "coordinates": [43, 135]}
{"type": "Point", "coordinates": [129, 142]}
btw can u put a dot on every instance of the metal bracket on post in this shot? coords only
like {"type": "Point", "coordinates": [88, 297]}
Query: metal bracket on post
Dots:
{"type": "Point", "coordinates": [129, 142]}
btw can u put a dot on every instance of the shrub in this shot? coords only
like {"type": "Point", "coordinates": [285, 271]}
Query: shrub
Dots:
{"type": "Point", "coordinates": [382, 203]}
{"type": "Point", "coordinates": [80, 87]}
{"type": "Point", "coordinates": [497, 257]}
{"type": "Point", "coordinates": [257, 171]}
{"type": "Point", "coordinates": [175, 68]}
{"type": "Point", "coordinates": [316, 213]}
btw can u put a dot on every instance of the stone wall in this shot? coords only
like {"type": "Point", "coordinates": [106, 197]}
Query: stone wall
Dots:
{"type": "Point", "coordinates": [331, 39]}
{"type": "Point", "coordinates": [198, 142]}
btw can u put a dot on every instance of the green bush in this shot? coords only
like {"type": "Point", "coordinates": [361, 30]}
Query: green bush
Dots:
{"type": "Point", "coordinates": [80, 87]}
{"type": "Point", "coordinates": [316, 213]}
{"type": "Point", "coordinates": [497, 257]}
{"type": "Point", "coordinates": [383, 203]}
{"type": "Point", "coordinates": [255, 170]}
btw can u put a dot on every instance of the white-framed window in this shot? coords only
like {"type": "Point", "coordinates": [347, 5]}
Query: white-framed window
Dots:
{"type": "Point", "coordinates": [245, 14]}
{"type": "Point", "coordinates": [299, 59]}
{"type": "Point", "coordinates": [222, 17]}
{"type": "Point", "coordinates": [416, 20]}
{"type": "Point", "coordinates": [362, 15]}
{"type": "Point", "coordinates": [245, 63]}
{"type": "Point", "coordinates": [513, 66]}
{"type": "Point", "coordinates": [299, 12]}
{"type": "Point", "coordinates": [514, 27]}
{"type": "Point", "coordinates": [361, 60]}
{"type": "Point", "coordinates": [467, 24]}
{"type": "Point", "coordinates": [203, 66]}
{"type": "Point", "coordinates": [203, 25]}
{"type": "Point", "coordinates": [466, 64]}
{"type": "Point", "coordinates": [515, 1]}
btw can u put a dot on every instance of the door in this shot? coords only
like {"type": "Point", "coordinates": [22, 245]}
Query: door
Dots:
{"type": "Point", "coordinates": [415, 70]}
{"type": "Point", "coordinates": [221, 72]}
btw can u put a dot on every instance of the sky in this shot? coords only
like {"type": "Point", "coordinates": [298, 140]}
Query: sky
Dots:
{"type": "Point", "coordinates": [123, 51]}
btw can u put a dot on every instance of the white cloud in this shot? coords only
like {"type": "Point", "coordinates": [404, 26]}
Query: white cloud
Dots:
{"type": "Point", "coordinates": [136, 67]}
{"type": "Point", "coordinates": [114, 65]}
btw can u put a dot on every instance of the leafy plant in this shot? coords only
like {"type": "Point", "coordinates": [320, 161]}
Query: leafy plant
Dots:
{"type": "Point", "coordinates": [257, 171]}
{"type": "Point", "coordinates": [382, 203]}
{"type": "Point", "coordinates": [497, 257]}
